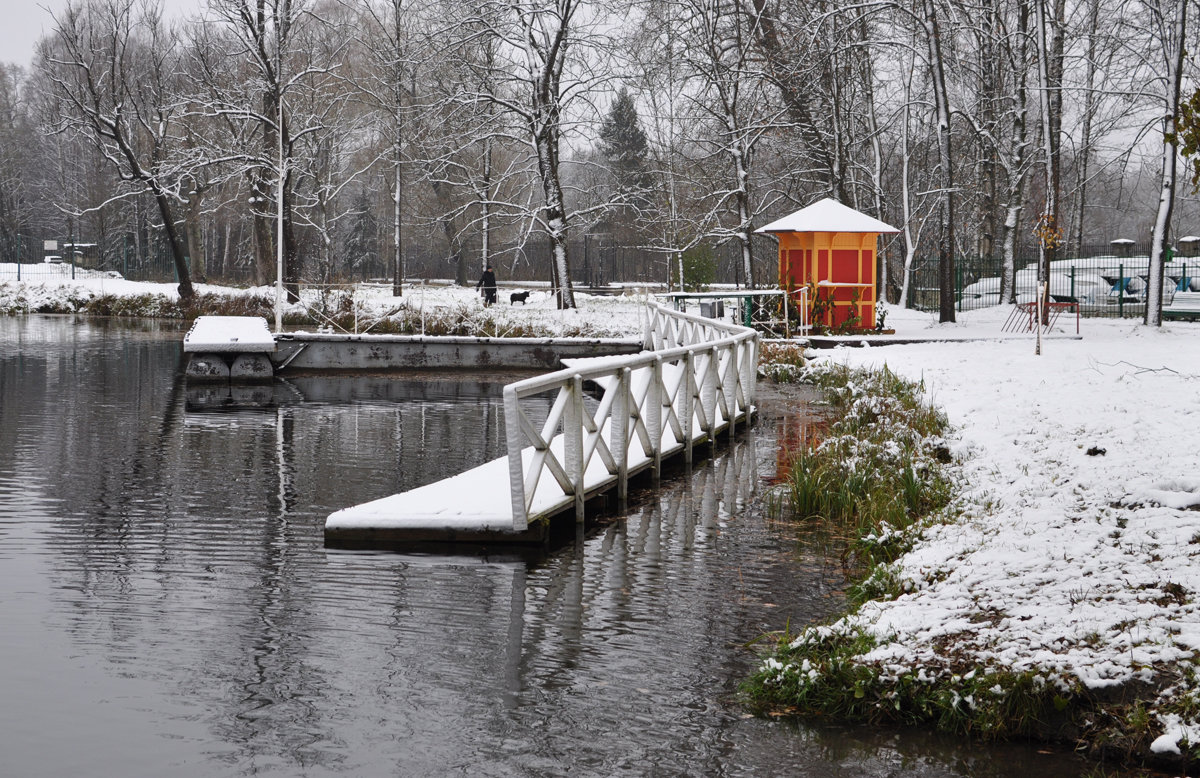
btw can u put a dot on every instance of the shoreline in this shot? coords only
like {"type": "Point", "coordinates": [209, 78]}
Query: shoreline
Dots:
{"type": "Point", "coordinates": [1069, 574]}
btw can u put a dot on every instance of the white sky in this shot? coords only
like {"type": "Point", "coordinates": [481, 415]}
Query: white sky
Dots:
{"type": "Point", "coordinates": [23, 22]}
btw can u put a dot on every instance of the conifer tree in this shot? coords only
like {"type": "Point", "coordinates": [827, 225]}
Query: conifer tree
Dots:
{"type": "Point", "coordinates": [624, 146]}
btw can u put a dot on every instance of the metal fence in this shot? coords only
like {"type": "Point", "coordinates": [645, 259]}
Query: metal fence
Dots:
{"type": "Point", "coordinates": [1107, 285]}
{"type": "Point", "coordinates": [34, 259]}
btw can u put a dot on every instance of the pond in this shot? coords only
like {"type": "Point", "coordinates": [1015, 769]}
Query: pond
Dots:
{"type": "Point", "coordinates": [168, 606]}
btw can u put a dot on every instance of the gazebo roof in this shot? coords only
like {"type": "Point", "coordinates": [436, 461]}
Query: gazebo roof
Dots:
{"type": "Point", "coordinates": [827, 215]}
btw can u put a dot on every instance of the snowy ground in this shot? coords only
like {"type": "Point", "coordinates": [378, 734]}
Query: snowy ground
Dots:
{"type": "Point", "coordinates": [1070, 562]}
{"type": "Point", "coordinates": [600, 315]}
{"type": "Point", "coordinates": [1077, 556]}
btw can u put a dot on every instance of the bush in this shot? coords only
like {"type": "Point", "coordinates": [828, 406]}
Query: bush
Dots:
{"type": "Point", "coordinates": [878, 470]}
{"type": "Point", "coordinates": [783, 363]}
{"type": "Point", "coordinates": [699, 269]}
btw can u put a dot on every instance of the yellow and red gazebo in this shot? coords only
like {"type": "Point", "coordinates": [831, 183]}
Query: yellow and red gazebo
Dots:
{"type": "Point", "coordinates": [830, 249]}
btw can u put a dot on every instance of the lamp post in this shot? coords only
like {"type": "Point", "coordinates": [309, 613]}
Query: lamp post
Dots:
{"type": "Point", "coordinates": [279, 222]}
{"type": "Point", "coordinates": [279, 184]}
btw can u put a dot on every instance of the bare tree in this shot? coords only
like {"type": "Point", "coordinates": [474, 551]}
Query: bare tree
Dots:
{"type": "Point", "coordinates": [17, 141]}
{"type": "Point", "coordinates": [941, 101]}
{"type": "Point", "coordinates": [256, 62]}
{"type": "Point", "coordinates": [111, 65]}
{"type": "Point", "coordinates": [719, 39]}
{"type": "Point", "coordinates": [548, 61]}
{"type": "Point", "coordinates": [1169, 22]}
{"type": "Point", "coordinates": [783, 37]}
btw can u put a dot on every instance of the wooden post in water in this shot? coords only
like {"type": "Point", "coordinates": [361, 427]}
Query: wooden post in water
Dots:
{"type": "Point", "coordinates": [729, 386]}
{"type": "Point", "coordinates": [516, 473]}
{"type": "Point", "coordinates": [619, 435]}
{"type": "Point", "coordinates": [684, 405]}
{"type": "Point", "coordinates": [573, 442]}
{"type": "Point", "coordinates": [654, 414]}
{"type": "Point", "coordinates": [708, 395]}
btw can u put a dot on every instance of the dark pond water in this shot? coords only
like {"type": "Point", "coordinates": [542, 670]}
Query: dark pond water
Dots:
{"type": "Point", "coordinates": [167, 606]}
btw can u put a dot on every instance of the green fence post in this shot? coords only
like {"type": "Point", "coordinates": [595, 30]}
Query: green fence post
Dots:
{"type": "Point", "coordinates": [1072, 282]}
{"type": "Point", "coordinates": [18, 256]}
{"type": "Point", "coordinates": [958, 286]}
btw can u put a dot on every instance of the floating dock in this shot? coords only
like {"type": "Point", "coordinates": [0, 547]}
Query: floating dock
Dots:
{"type": "Point", "coordinates": [474, 506]}
{"type": "Point", "coordinates": [303, 351]}
{"type": "Point", "coordinates": [610, 418]}
{"type": "Point", "coordinates": [229, 348]}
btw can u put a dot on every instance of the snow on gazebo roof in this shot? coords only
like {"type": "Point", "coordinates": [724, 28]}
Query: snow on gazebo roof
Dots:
{"type": "Point", "coordinates": [827, 215]}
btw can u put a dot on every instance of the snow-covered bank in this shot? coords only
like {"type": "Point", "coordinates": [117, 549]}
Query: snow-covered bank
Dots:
{"type": "Point", "coordinates": [1077, 558]}
{"type": "Point", "coordinates": [596, 316]}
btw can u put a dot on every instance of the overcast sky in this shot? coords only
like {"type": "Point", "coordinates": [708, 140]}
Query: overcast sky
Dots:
{"type": "Point", "coordinates": [22, 22]}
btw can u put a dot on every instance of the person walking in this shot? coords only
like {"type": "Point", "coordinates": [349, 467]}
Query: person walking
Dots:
{"type": "Point", "coordinates": [488, 282]}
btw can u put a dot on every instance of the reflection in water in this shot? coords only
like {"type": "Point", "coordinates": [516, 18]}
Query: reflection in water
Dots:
{"type": "Point", "coordinates": [169, 608]}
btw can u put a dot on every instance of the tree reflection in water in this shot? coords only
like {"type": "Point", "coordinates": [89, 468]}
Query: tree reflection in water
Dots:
{"type": "Point", "coordinates": [170, 605]}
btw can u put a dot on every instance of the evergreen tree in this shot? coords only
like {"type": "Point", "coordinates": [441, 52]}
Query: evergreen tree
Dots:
{"type": "Point", "coordinates": [362, 238]}
{"type": "Point", "coordinates": [624, 146]}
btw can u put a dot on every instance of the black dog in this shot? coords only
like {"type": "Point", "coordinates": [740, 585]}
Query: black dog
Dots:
{"type": "Point", "coordinates": [518, 297]}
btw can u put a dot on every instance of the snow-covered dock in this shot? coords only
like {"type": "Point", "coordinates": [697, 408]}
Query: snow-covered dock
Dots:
{"type": "Point", "coordinates": [229, 348]}
{"type": "Point", "coordinates": [695, 379]}
{"type": "Point", "coordinates": [229, 334]}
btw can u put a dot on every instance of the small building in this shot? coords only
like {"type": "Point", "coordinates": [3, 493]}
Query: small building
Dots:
{"type": "Point", "coordinates": [1122, 247]}
{"type": "Point", "coordinates": [1189, 246]}
{"type": "Point", "coordinates": [831, 249]}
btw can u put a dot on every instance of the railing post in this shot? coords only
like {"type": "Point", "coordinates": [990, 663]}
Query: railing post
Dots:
{"type": "Point", "coordinates": [516, 469]}
{"type": "Point", "coordinates": [729, 385]}
{"type": "Point", "coordinates": [748, 350]}
{"type": "Point", "coordinates": [708, 392]}
{"type": "Point", "coordinates": [654, 414]}
{"type": "Point", "coordinates": [573, 442]}
{"type": "Point", "coordinates": [688, 390]}
{"type": "Point", "coordinates": [619, 435]}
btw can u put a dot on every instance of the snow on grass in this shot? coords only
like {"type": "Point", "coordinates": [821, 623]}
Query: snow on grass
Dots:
{"type": "Point", "coordinates": [1081, 568]}
{"type": "Point", "coordinates": [596, 316]}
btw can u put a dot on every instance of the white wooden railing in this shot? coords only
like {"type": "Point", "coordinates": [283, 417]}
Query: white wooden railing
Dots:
{"type": "Point", "coordinates": [696, 378]}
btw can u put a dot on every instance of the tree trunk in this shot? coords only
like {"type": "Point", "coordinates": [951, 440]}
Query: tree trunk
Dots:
{"type": "Point", "coordinates": [1050, 69]}
{"type": "Point", "coordinates": [195, 234]}
{"type": "Point", "coordinates": [941, 99]}
{"type": "Point", "coordinates": [1085, 136]}
{"type": "Point", "coordinates": [745, 215]}
{"type": "Point", "coordinates": [910, 240]}
{"type": "Point", "coordinates": [556, 217]}
{"type": "Point", "coordinates": [178, 252]}
{"type": "Point", "coordinates": [1173, 45]}
{"type": "Point", "coordinates": [260, 225]}
{"type": "Point", "coordinates": [1015, 162]}
{"type": "Point", "coordinates": [781, 69]}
